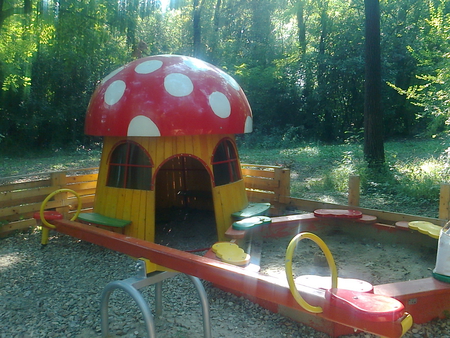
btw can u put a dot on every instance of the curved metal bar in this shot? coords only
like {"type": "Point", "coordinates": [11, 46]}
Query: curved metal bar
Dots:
{"type": "Point", "coordinates": [136, 295]}
{"type": "Point", "coordinates": [288, 268]}
{"type": "Point", "coordinates": [205, 305]}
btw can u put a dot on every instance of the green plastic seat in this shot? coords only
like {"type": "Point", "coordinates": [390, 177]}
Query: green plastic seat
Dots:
{"type": "Point", "coordinates": [251, 222]}
{"type": "Point", "coordinates": [98, 219]}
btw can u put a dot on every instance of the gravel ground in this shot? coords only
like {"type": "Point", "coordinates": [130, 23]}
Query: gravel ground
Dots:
{"type": "Point", "coordinates": [55, 292]}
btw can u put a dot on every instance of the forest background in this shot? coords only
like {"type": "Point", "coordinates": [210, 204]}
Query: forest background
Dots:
{"type": "Point", "coordinates": [300, 62]}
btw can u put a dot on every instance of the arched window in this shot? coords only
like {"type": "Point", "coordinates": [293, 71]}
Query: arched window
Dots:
{"type": "Point", "coordinates": [225, 163]}
{"type": "Point", "coordinates": [130, 167]}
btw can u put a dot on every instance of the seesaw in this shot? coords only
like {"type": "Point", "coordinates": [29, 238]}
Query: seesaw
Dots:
{"type": "Point", "coordinates": [349, 309]}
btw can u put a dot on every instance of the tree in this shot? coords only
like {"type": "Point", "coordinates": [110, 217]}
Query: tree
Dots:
{"type": "Point", "coordinates": [373, 115]}
{"type": "Point", "coordinates": [6, 12]}
{"type": "Point", "coordinates": [429, 89]}
{"type": "Point", "coordinates": [197, 28]}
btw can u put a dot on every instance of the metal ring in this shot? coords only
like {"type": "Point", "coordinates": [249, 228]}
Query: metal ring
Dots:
{"type": "Point", "coordinates": [288, 265]}
{"type": "Point", "coordinates": [41, 212]}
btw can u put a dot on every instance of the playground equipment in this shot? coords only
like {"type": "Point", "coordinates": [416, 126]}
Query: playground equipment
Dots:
{"type": "Point", "coordinates": [132, 285]}
{"type": "Point", "coordinates": [168, 124]}
{"type": "Point", "coordinates": [336, 311]}
{"type": "Point", "coordinates": [442, 269]}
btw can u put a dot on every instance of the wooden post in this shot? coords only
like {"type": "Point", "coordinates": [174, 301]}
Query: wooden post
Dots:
{"type": "Point", "coordinates": [284, 175]}
{"type": "Point", "coordinates": [58, 181]}
{"type": "Point", "coordinates": [353, 191]}
{"type": "Point", "coordinates": [444, 202]}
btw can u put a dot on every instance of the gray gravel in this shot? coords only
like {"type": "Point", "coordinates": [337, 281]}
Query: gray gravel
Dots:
{"type": "Point", "coordinates": [55, 292]}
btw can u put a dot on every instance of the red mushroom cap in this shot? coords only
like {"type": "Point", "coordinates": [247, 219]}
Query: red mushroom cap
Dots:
{"type": "Point", "coordinates": [168, 95]}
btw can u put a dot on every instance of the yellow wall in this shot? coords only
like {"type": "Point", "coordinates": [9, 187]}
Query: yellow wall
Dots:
{"type": "Point", "coordinates": [227, 199]}
{"type": "Point", "coordinates": [139, 205]}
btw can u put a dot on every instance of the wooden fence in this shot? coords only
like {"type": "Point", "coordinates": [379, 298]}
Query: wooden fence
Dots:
{"type": "Point", "coordinates": [21, 197]}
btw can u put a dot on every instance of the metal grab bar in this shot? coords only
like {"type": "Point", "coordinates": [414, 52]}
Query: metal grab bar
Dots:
{"type": "Point", "coordinates": [141, 280]}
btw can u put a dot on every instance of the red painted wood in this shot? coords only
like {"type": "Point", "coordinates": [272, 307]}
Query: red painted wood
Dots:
{"type": "Point", "coordinates": [48, 215]}
{"type": "Point", "coordinates": [264, 288]}
{"type": "Point", "coordinates": [425, 299]}
{"type": "Point", "coordinates": [372, 307]}
{"type": "Point", "coordinates": [341, 213]}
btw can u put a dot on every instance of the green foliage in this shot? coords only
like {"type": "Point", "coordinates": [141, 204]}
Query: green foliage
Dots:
{"type": "Point", "coordinates": [302, 70]}
{"type": "Point", "coordinates": [410, 179]}
{"type": "Point", "coordinates": [431, 89]}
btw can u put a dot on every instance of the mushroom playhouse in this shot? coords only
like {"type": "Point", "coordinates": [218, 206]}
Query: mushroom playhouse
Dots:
{"type": "Point", "coordinates": [168, 124]}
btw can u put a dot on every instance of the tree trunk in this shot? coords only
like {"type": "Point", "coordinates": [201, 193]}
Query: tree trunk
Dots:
{"type": "Point", "coordinates": [197, 28]}
{"type": "Point", "coordinates": [216, 37]}
{"type": "Point", "coordinates": [261, 31]}
{"type": "Point", "coordinates": [301, 26]}
{"type": "Point", "coordinates": [373, 115]}
{"type": "Point", "coordinates": [327, 127]}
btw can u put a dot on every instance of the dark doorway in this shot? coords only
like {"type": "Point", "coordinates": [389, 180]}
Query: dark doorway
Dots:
{"type": "Point", "coordinates": [184, 205]}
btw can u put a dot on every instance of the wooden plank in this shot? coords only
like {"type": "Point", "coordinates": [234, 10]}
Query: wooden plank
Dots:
{"type": "Point", "coordinates": [24, 201]}
{"type": "Point", "coordinates": [258, 173]}
{"type": "Point", "coordinates": [168, 147]}
{"type": "Point", "coordinates": [110, 201]}
{"type": "Point", "coordinates": [121, 198]}
{"type": "Point", "coordinates": [425, 299]}
{"type": "Point", "coordinates": [261, 196]}
{"type": "Point", "coordinates": [284, 189]}
{"type": "Point", "coordinates": [158, 152]}
{"type": "Point", "coordinates": [353, 190]}
{"type": "Point", "coordinates": [136, 214]}
{"type": "Point", "coordinates": [22, 194]}
{"type": "Point", "coordinates": [34, 207]}
{"type": "Point", "coordinates": [130, 197]}
{"type": "Point", "coordinates": [261, 183]}
{"type": "Point", "coordinates": [17, 226]}
{"type": "Point", "coordinates": [148, 212]}
{"type": "Point", "coordinates": [262, 166]}
{"type": "Point", "coordinates": [81, 186]}
{"type": "Point", "coordinates": [179, 145]}
{"type": "Point", "coordinates": [18, 217]}
{"type": "Point", "coordinates": [24, 186]}
{"type": "Point", "coordinates": [444, 202]}
{"type": "Point", "coordinates": [86, 201]}
{"type": "Point", "coordinates": [87, 192]}
{"type": "Point", "coordinates": [207, 148]}
{"type": "Point", "coordinates": [189, 144]}
{"type": "Point", "coordinates": [81, 178]}
{"type": "Point", "coordinates": [383, 216]}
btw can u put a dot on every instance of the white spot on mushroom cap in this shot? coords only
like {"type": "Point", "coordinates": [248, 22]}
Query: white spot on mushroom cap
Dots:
{"type": "Point", "coordinates": [248, 125]}
{"type": "Point", "coordinates": [178, 84]}
{"type": "Point", "coordinates": [142, 126]}
{"type": "Point", "coordinates": [232, 82]}
{"type": "Point", "coordinates": [114, 92]}
{"type": "Point", "coordinates": [196, 64]}
{"type": "Point", "coordinates": [148, 67]}
{"type": "Point", "coordinates": [219, 104]}
{"type": "Point", "coordinates": [110, 75]}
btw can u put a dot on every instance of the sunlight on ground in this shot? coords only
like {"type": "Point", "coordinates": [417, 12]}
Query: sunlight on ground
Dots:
{"type": "Point", "coordinates": [308, 150]}
{"type": "Point", "coordinates": [328, 199]}
{"type": "Point", "coordinates": [430, 167]}
{"type": "Point", "coordinates": [8, 259]}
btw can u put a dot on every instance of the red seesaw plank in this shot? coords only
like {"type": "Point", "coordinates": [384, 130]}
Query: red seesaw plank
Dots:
{"type": "Point", "coordinates": [253, 285]}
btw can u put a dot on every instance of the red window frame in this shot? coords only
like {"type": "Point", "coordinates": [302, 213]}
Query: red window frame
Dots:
{"type": "Point", "coordinates": [225, 163]}
{"type": "Point", "coordinates": [130, 167]}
